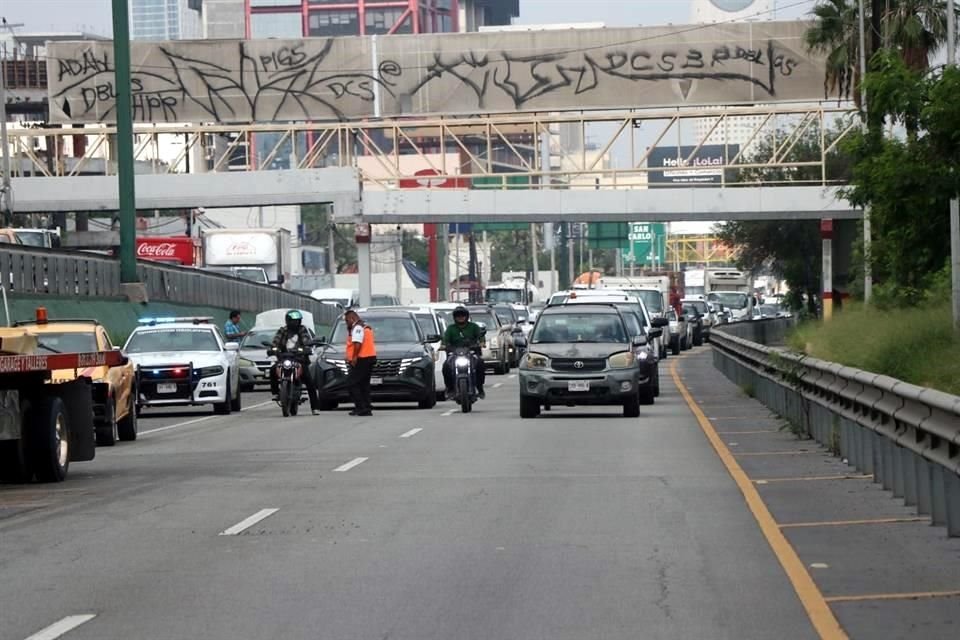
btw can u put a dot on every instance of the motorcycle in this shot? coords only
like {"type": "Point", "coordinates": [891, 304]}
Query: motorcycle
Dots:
{"type": "Point", "coordinates": [290, 378]}
{"type": "Point", "coordinates": [465, 386]}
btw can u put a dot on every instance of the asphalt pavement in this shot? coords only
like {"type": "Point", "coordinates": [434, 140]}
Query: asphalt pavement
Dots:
{"type": "Point", "coordinates": [410, 524]}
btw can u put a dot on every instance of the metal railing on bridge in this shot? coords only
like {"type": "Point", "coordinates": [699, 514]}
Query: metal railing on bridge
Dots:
{"type": "Point", "coordinates": [69, 274]}
{"type": "Point", "coordinates": [907, 436]}
{"type": "Point", "coordinates": [751, 146]}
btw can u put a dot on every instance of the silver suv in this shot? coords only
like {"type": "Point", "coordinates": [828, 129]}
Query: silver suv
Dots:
{"type": "Point", "coordinates": [580, 355]}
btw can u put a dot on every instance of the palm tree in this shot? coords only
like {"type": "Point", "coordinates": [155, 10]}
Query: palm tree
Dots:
{"type": "Point", "coordinates": [835, 33]}
{"type": "Point", "coordinates": [916, 28]}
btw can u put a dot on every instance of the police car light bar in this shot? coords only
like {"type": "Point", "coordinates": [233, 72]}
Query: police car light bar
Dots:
{"type": "Point", "coordinates": [171, 320]}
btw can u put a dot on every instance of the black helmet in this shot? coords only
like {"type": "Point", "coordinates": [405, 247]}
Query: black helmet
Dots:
{"type": "Point", "coordinates": [293, 319]}
{"type": "Point", "coordinates": [461, 311]}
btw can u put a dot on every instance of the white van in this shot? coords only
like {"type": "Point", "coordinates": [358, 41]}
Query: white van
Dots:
{"type": "Point", "coordinates": [346, 298]}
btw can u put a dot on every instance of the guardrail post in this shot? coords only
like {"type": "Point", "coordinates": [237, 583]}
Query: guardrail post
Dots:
{"type": "Point", "coordinates": [876, 446]}
{"type": "Point", "coordinates": [909, 471]}
{"type": "Point", "coordinates": [952, 487]}
{"type": "Point", "coordinates": [924, 490]}
{"type": "Point", "coordinates": [938, 496]}
{"type": "Point", "coordinates": [866, 451]}
{"type": "Point", "coordinates": [896, 469]}
{"type": "Point", "coordinates": [886, 450]}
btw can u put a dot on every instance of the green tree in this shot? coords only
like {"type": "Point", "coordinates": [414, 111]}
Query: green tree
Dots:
{"type": "Point", "coordinates": [835, 33]}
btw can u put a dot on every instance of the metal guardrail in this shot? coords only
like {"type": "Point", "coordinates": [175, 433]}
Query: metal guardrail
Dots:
{"type": "Point", "coordinates": [907, 436]}
{"type": "Point", "coordinates": [28, 270]}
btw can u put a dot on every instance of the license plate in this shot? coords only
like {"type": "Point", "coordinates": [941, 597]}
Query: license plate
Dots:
{"type": "Point", "coordinates": [375, 381]}
{"type": "Point", "coordinates": [168, 387]}
{"type": "Point", "coordinates": [578, 385]}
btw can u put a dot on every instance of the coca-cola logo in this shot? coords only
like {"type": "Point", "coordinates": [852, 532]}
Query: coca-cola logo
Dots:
{"type": "Point", "coordinates": [160, 250]}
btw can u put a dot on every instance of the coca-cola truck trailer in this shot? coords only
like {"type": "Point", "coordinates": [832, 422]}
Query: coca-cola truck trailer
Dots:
{"type": "Point", "coordinates": [236, 250]}
{"type": "Point", "coordinates": [182, 250]}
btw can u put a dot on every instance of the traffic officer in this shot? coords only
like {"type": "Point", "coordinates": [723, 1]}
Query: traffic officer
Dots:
{"type": "Point", "coordinates": [361, 356]}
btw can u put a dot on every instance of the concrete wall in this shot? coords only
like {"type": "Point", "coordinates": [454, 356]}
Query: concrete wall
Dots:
{"type": "Point", "coordinates": [119, 316]}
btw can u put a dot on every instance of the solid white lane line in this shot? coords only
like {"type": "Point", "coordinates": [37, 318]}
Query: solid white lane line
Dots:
{"type": "Point", "coordinates": [350, 465]}
{"type": "Point", "coordinates": [512, 376]}
{"type": "Point", "coordinates": [498, 385]}
{"type": "Point", "coordinates": [248, 522]}
{"type": "Point", "coordinates": [448, 413]}
{"type": "Point", "coordinates": [57, 629]}
{"type": "Point", "coordinates": [411, 433]}
{"type": "Point", "coordinates": [202, 419]}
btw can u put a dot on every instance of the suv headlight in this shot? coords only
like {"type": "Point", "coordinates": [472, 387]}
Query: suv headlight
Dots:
{"type": "Point", "coordinates": [623, 360]}
{"type": "Point", "coordinates": [537, 361]}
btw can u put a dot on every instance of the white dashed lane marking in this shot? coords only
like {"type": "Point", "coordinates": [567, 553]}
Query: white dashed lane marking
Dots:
{"type": "Point", "coordinates": [350, 465]}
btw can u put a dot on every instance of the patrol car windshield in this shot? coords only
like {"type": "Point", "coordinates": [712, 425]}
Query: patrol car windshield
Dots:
{"type": "Point", "coordinates": [66, 343]}
{"type": "Point", "coordinates": [174, 340]}
{"type": "Point", "coordinates": [579, 327]}
{"type": "Point", "coordinates": [385, 330]}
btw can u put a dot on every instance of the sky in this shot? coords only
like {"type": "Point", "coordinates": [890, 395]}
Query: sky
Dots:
{"type": "Point", "coordinates": [94, 15]}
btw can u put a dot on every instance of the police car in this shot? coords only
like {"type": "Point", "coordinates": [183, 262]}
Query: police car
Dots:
{"type": "Point", "coordinates": [184, 362]}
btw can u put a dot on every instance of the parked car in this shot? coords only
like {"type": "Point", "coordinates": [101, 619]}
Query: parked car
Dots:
{"type": "Point", "coordinates": [699, 313]}
{"type": "Point", "coordinates": [384, 300]}
{"type": "Point", "coordinates": [346, 298]}
{"type": "Point", "coordinates": [580, 355]}
{"type": "Point", "coordinates": [404, 371]}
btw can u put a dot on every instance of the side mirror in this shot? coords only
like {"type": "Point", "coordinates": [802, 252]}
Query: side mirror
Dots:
{"type": "Point", "coordinates": [232, 346]}
{"type": "Point", "coordinates": [639, 341]}
{"type": "Point", "coordinates": [279, 281]}
{"type": "Point", "coordinates": [654, 333]}
{"type": "Point", "coordinates": [433, 337]}
{"type": "Point", "coordinates": [659, 322]}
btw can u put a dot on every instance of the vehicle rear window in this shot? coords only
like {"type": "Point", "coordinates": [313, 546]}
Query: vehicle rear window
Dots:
{"type": "Point", "coordinates": [579, 327]}
{"type": "Point", "coordinates": [66, 343]}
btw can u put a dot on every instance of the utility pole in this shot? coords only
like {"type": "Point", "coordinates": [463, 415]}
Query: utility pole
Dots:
{"type": "Point", "coordinates": [6, 190]}
{"type": "Point", "coordinates": [867, 233]}
{"type": "Point", "coordinates": [534, 252]}
{"type": "Point", "coordinates": [954, 203]}
{"type": "Point", "coordinates": [125, 175]}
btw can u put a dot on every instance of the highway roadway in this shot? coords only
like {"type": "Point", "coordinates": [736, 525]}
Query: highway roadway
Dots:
{"type": "Point", "coordinates": [423, 525]}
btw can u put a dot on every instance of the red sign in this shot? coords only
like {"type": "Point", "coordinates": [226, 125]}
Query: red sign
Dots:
{"type": "Point", "coordinates": [28, 364]}
{"type": "Point", "coordinates": [430, 179]}
{"type": "Point", "coordinates": [173, 250]}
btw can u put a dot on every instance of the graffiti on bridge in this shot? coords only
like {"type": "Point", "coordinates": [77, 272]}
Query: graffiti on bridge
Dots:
{"type": "Point", "coordinates": [320, 79]}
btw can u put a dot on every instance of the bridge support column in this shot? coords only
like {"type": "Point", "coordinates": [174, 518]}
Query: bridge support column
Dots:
{"type": "Point", "coordinates": [362, 237]}
{"type": "Point", "coordinates": [826, 235]}
{"type": "Point", "coordinates": [125, 177]}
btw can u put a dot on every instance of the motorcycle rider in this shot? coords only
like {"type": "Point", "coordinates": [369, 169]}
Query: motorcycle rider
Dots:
{"type": "Point", "coordinates": [463, 333]}
{"type": "Point", "coordinates": [289, 337]}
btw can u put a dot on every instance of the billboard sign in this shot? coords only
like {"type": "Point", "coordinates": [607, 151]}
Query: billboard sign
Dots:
{"type": "Point", "coordinates": [646, 243]}
{"type": "Point", "coordinates": [673, 165]}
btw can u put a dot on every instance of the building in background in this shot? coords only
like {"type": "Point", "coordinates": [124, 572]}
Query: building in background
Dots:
{"type": "Point", "coordinates": [223, 19]}
{"type": "Point", "coordinates": [323, 18]}
{"type": "Point", "coordinates": [165, 19]}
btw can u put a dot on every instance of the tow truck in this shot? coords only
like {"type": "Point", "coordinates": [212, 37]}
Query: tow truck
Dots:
{"type": "Point", "coordinates": [44, 424]}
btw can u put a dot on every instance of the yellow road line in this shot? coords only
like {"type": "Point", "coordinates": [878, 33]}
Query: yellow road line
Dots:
{"type": "Point", "coordinates": [850, 523]}
{"type": "Point", "coordinates": [775, 453]}
{"type": "Point", "coordinates": [920, 595]}
{"type": "Point", "coordinates": [811, 478]}
{"type": "Point", "coordinates": [806, 589]}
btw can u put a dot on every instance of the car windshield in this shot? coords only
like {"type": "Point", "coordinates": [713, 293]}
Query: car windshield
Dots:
{"type": "Point", "coordinates": [731, 299]}
{"type": "Point", "coordinates": [385, 330]}
{"type": "Point", "coordinates": [427, 323]}
{"type": "Point", "coordinates": [255, 338]}
{"type": "Point", "coordinates": [166, 339]}
{"type": "Point", "coordinates": [31, 239]}
{"type": "Point", "coordinates": [579, 327]}
{"type": "Point", "coordinates": [652, 299]}
{"type": "Point", "coordinates": [504, 295]}
{"type": "Point", "coordinates": [485, 318]}
{"type": "Point", "coordinates": [633, 323]}
{"type": "Point", "coordinates": [85, 342]}
{"type": "Point", "coordinates": [558, 298]}
{"type": "Point", "coordinates": [506, 316]}
{"type": "Point", "coordinates": [699, 305]}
